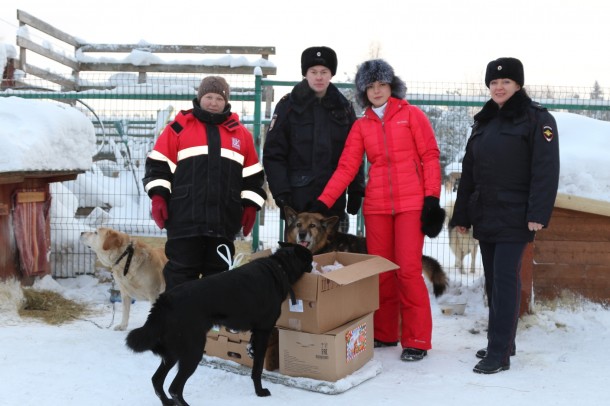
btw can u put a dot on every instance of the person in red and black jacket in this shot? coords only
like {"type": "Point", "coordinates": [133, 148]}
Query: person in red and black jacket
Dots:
{"type": "Point", "coordinates": [205, 181]}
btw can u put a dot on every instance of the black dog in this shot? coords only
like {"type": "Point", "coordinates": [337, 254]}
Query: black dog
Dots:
{"type": "Point", "coordinates": [245, 298]}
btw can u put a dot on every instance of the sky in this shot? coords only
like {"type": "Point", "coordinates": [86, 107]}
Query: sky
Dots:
{"type": "Point", "coordinates": [433, 41]}
{"type": "Point", "coordinates": [560, 347]}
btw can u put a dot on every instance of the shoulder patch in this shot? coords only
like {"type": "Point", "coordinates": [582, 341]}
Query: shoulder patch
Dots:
{"type": "Point", "coordinates": [177, 127]}
{"type": "Point", "coordinates": [272, 122]}
{"type": "Point", "coordinates": [547, 132]}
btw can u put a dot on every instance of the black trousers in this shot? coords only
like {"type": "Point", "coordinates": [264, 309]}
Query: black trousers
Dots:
{"type": "Point", "coordinates": [502, 268]}
{"type": "Point", "coordinates": [194, 257]}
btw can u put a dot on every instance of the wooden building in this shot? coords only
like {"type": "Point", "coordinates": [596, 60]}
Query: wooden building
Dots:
{"type": "Point", "coordinates": [25, 222]}
{"type": "Point", "coordinates": [572, 255]}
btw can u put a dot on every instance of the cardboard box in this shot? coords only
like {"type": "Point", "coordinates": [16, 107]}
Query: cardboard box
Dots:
{"type": "Point", "coordinates": [235, 336]}
{"type": "Point", "coordinates": [223, 347]}
{"type": "Point", "coordinates": [326, 301]}
{"type": "Point", "coordinates": [330, 356]}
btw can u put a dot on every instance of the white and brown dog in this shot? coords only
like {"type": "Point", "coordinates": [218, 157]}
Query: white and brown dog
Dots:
{"type": "Point", "coordinates": [136, 267]}
{"type": "Point", "coordinates": [462, 244]}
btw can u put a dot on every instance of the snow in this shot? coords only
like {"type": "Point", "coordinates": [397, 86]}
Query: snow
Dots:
{"type": "Point", "coordinates": [559, 361]}
{"type": "Point", "coordinates": [560, 349]}
{"type": "Point", "coordinates": [38, 135]}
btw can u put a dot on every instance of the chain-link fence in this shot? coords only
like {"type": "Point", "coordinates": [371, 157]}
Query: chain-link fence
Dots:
{"type": "Point", "coordinates": [128, 118]}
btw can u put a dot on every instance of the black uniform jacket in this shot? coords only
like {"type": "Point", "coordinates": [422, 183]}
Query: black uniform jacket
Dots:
{"type": "Point", "coordinates": [510, 172]}
{"type": "Point", "coordinates": [304, 143]}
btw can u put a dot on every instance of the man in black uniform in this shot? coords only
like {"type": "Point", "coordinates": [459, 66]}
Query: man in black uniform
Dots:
{"type": "Point", "coordinates": [306, 138]}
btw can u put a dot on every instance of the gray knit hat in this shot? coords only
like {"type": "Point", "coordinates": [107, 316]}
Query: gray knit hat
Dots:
{"type": "Point", "coordinates": [214, 84]}
{"type": "Point", "coordinates": [377, 70]}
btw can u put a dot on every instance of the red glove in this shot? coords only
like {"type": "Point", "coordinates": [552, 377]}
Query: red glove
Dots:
{"type": "Point", "coordinates": [247, 219]}
{"type": "Point", "coordinates": [159, 210]}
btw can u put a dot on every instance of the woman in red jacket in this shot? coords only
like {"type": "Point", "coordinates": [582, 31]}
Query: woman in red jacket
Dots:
{"type": "Point", "coordinates": [401, 201]}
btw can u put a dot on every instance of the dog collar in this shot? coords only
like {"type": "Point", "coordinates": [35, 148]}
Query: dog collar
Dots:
{"type": "Point", "coordinates": [129, 253]}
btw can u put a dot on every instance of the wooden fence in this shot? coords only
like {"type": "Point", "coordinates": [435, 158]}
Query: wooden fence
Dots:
{"type": "Point", "coordinates": [85, 55]}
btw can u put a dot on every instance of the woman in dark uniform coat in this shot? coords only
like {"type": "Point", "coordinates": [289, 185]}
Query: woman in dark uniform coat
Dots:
{"type": "Point", "coordinates": [507, 190]}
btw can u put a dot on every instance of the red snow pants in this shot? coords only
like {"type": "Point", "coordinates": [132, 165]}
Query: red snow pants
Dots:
{"type": "Point", "coordinates": [403, 294]}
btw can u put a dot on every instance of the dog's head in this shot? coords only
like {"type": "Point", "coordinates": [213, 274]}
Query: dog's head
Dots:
{"type": "Point", "coordinates": [296, 259]}
{"type": "Point", "coordinates": [310, 230]}
{"type": "Point", "coordinates": [105, 242]}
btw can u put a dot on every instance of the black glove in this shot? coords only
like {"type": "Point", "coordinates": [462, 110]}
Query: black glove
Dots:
{"type": "Point", "coordinates": [318, 207]}
{"type": "Point", "coordinates": [283, 200]}
{"type": "Point", "coordinates": [432, 217]}
{"type": "Point", "coordinates": [354, 201]}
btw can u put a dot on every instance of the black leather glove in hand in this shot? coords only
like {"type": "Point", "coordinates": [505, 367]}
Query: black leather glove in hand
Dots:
{"type": "Point", "coordinates": [354, 201]}
{"type": "Point", "coordinates": [432, 217]}
{"type": "Point", "coordinates": [283, 200]}
{"type": "Point", "coordinates": [318, 207]}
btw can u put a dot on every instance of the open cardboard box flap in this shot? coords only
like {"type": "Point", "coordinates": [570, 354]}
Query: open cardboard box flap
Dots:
{"type": "Point", "coordinates": [355, 266]}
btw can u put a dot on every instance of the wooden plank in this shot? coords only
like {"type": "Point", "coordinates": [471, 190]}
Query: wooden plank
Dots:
{"type": "Point", "coordinates": [180, 49]}
{"type": "Point", "coordinates": [173, 68]}
{"type": "Point", "coordinates": [46, 52]}
{"type": "Point", "coordinates": [586, 227]}
{"type": "Point", "coordinates": [591, 281]}
{"type": "Point", "coordinates": [30, 197]}
{"type": "Point", "coordinates": [583, 204]}
{"type": "Point", "coordinates": [526, 280]}
{"type": "Point", "coordinates": [571, 252]}
{"type": "Point", "coordinates": [28, 19]}
{"type": "Point", "coordinates": [66, 83]}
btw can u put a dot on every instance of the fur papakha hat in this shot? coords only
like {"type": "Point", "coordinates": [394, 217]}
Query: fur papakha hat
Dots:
{"type": "Point", "coordinates": [508, 68]}
{"type": "Point", "coordinates": [214, 84]}
{"type": "Point", "coordinates": [319, 56]}
{"type": "Point", "coordinates": [377, 70]}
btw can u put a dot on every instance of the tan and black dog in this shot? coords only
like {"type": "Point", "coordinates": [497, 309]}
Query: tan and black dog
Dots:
{"type": "Point", "coordinates": [319, 234]}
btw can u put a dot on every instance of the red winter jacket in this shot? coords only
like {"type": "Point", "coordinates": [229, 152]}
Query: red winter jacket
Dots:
{"type": "Point", "coordinates": [403, 156]}
{"type": "Point", "coordinates": [207, 172]}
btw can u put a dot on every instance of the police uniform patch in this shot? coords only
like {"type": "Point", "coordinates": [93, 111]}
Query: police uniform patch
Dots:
{"type": "Point", "coordinates": [272, 123]}
{"type": "Point", "coordinates": [547, 131]}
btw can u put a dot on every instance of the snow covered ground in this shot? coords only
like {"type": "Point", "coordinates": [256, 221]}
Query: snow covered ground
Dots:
{"type": "Point", "coordinates": [560, 360]}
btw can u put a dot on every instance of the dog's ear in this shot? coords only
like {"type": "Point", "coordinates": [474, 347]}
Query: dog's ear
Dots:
{"type": "Point", "coordinates": [303, 254]}
{"type": "Point", "coordinates": [112, 240]}
{"type": "Point", "coordinates": [290, 214]}
{"type": "Point", "coordinates": [330, 224]}
{"type": "Point", "coordinates": [284, 244]}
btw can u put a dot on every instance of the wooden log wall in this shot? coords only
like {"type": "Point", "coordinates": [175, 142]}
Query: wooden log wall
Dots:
{"type": "Point", "coordinates": [573, 255]}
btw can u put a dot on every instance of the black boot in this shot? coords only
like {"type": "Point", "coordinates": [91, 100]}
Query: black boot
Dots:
{"type": "Point", "coordinates": [483, 352]}
{"type": "Point", "coordinates": [381, 344]}
{"type": "Point", "coordinates": [413, 354]}
{"type": "Point", "coordinates": [488, 366]}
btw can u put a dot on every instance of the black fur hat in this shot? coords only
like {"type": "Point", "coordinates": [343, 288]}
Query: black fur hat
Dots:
{"type": "Point", "coordinates": [508, 68]}
{"type": "Point", "coordinates": [319, 56]}
{"type": "Point", "coordinates": [377, 70]}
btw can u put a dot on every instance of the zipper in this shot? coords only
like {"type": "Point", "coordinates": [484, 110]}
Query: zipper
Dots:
{"type": "Point", "coordinates": [387, 154]}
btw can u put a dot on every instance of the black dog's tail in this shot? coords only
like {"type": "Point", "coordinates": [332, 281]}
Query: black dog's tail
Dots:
{"type": "Point", "coordinates": [435, 272]}
{"type": "Point", "coordinates": [147, 337]}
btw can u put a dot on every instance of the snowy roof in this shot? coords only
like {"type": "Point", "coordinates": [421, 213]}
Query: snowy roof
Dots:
{"type": "Point", "coordinates": [40, 135]}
